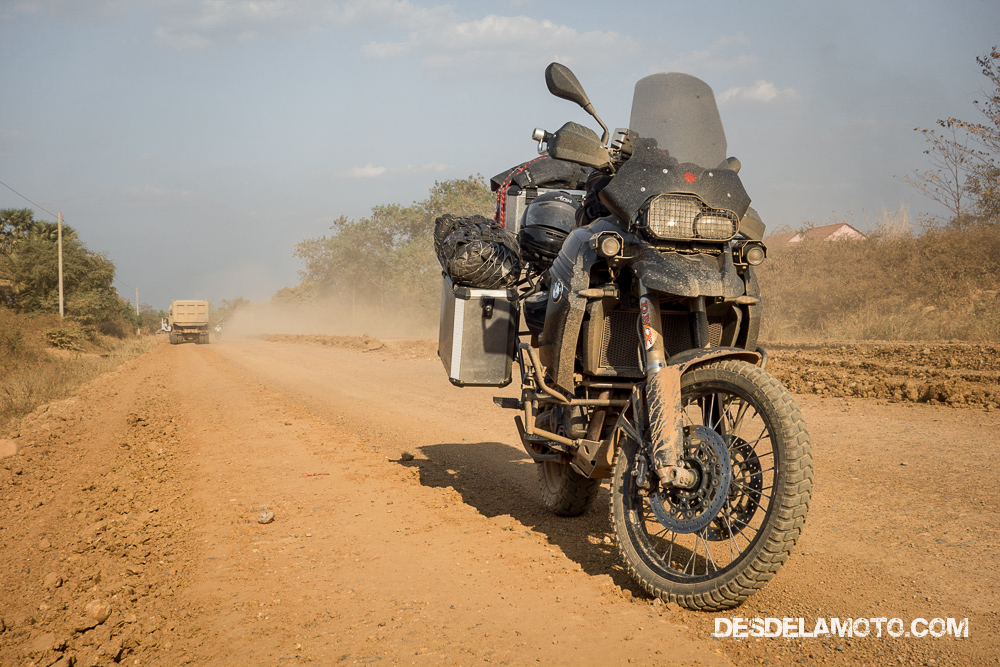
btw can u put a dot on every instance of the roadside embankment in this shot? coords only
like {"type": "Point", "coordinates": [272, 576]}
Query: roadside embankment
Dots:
{"type": "Point", "coordinates": [43, 359]}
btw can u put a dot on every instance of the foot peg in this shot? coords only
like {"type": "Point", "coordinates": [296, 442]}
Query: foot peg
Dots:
{"type": "Point", "coordinates": [508, 403]}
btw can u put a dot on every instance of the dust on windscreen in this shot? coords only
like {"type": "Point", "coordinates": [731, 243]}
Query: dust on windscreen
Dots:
{"type": "Point", "coordinates": [679, 112]}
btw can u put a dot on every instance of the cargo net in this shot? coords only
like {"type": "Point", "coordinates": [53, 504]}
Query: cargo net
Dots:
{"type": "Point", "coordinates": [476, 252]}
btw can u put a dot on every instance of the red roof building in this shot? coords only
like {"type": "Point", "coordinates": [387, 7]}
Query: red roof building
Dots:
{"type": "Point", "coordinates": [840, 231]}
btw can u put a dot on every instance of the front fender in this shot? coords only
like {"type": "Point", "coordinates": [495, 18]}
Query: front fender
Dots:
{"type": "Point", "coordinates": [688, 359]}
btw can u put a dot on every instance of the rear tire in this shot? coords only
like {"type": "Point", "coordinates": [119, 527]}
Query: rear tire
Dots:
{"type": "Point", "coordinates": [564, 491]}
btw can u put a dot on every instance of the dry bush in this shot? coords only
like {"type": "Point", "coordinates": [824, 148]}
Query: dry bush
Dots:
{"type": "Point", "coordinates": [941, 284]}
{"type": "Point", "coordinates": [33, 372]}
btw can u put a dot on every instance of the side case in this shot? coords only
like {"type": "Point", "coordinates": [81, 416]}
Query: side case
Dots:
{"type": "Point", "coordinates": [477, 334]}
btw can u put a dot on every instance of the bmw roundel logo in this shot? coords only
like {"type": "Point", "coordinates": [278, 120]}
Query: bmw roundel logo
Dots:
{"type": "Point", "coordinates": [557, 290]}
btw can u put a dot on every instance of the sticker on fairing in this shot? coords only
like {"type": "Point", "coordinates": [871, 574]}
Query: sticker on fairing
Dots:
{"type": "Point", "coordinates": [648, 334]}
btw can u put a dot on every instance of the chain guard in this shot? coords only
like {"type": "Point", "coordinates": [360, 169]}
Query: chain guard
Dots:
{"type": "Point", "coordinates": [744, 499]}
{"type": "Point", "coordinates": [691, 510]}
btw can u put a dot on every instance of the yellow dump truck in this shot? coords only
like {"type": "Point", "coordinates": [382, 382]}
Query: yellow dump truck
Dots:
{"type": "Point", "coordinates": [188, 322]}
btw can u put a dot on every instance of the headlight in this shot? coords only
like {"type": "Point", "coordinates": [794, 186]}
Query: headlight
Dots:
{"type": "Point", "coordinates": [685, 217]}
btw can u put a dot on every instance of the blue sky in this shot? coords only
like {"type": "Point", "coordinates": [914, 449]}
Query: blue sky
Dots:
{"type": "Point", "coordinates": [196, 141]}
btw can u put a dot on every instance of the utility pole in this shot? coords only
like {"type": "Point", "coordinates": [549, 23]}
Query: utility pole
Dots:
{"type": "Point", "coordinates": [136, 300]}
{"type": "Point", "coordinates": [62, 312]}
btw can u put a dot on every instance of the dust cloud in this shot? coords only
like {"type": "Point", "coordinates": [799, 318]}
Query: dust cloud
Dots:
{"type": "Point", "coordinates": [329, 318]}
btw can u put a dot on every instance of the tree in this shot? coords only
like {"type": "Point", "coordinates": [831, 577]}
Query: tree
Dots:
{"type": "Point", "coordinates": [14, 225]}
{"type": "Point", "coordinates": [35, 271]}
{"type": "Point", "coordinates": [29, 275]}
{"type": "Point", "coordinates": [945, 182]}
{"type": "Point", "coordinates": [984, 181]}
{"type": "Point", "coordinates": [386, 258]}
{"type": "Point", "coordinates": [17, 224]}
{"type": "Point", "coordinates": [965, 157]}
{"type": "Point", "coordinates": [150, 318]}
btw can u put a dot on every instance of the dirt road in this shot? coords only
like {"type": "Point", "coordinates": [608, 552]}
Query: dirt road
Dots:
{"type": "Point", "coordinates": [143, 494]}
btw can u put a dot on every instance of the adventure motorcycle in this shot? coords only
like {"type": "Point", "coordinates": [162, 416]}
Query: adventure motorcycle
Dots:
{"type": "Point", "coordinates": [642, 363]}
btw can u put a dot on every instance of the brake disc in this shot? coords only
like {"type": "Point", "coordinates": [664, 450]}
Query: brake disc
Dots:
{"type": "Point", "coordinates": [690, 510]}
{"type": "Point", "coordinates": [744, 496]}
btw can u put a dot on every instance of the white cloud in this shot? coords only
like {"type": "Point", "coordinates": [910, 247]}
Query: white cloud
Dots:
{"type": "Point", "coordinates": [372, 171]}
{"type": "Point", "coordinates": [367, 171]}
{"type": "Point", "coordinates": [448, 46]}
{"type": "Point", "coordinates": [199, 24]}
{"type": "Point", "coordinates": [69, 9]}
{"type": "Point", "coordinates": [761, 91]}
{"type": "Point", "coordinates": [434, 36]}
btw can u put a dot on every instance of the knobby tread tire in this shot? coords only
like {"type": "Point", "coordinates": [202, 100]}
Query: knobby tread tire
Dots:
{"type": "Point", "coordinates": [571, 495]}
{"type": "Point", "coordinates": [773, 549]}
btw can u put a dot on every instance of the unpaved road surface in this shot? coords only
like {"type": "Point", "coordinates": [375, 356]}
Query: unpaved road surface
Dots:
{"type": "Point", "coordinates": [143, 493]}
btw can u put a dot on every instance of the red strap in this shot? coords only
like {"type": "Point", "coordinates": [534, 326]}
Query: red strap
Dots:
{"type": "Point", "coordinates": [501, 212]}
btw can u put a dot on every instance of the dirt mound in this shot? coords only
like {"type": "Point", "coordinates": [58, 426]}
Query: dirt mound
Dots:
{"type": "Point", "coordinates": [394, 349]}
{"type": "Point", "coordinates": [95, 570]}
{"type": "Point", "coordinates": [949, 373]}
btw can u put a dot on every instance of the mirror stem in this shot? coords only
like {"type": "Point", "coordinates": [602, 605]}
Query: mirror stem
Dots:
{"type": "Point", "coordinates": [590, 109]}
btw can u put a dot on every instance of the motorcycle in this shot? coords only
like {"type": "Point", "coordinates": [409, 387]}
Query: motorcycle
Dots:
{"type": "Point", "coordinates": [641, 362]}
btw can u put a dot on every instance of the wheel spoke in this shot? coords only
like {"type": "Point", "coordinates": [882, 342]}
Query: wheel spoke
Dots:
{"type": "Point", "coordinates": [747, 490]}
{"type": "Point", "coordinates": [708, 553]}
{"type": "Point", "coordinates": [736, 425]}
{"type": "Point", "coordinates": [754, 442]}
{"type": "Point", "coordinates": [732, 542]}
{"type": "Point", "coordinates": [690, 562]}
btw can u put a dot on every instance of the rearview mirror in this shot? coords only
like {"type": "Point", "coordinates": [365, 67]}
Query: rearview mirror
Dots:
{"type": "Point", "coordinates": [563, 83]}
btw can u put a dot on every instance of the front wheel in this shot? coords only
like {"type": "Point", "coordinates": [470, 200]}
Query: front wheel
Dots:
{"type": "Point", "coordinates": [715, 561]}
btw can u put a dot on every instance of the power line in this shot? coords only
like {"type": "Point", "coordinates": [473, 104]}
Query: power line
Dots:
{"type": "Point", "coordinates": [121, 282]}
{"type": "Point", "coordinates": [26, 199]}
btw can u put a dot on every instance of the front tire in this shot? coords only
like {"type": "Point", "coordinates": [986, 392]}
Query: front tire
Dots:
{"type": "Point", "coordinates": [564, 491]}
{"type": "Point", "coordinates": [721, 564]}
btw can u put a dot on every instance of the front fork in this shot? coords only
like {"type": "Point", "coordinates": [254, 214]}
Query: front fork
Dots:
{"type": "Point", "coordinates": [663, 396]}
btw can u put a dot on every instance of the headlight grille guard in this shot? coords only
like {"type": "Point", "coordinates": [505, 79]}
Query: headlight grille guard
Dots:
{"type": "Point", "coordinates": [686, 218]}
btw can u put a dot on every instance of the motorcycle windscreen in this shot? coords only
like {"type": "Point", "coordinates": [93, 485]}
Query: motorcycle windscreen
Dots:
{"type": "Point", "coordinates": [679, 112]}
